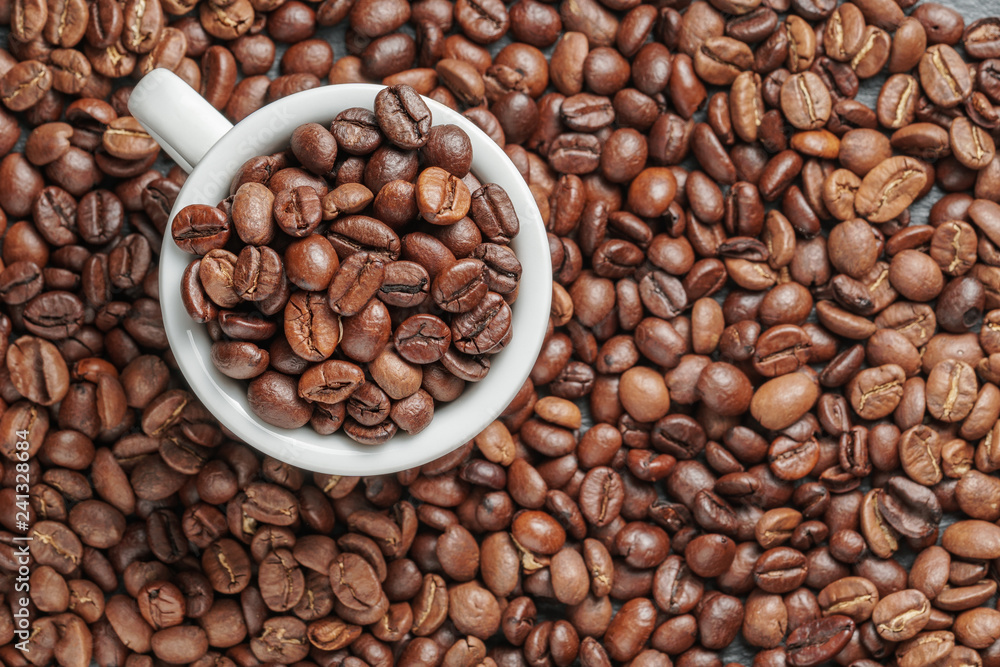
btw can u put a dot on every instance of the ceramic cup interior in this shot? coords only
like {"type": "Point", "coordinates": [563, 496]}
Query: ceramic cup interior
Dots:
{"type": "Point", "coordinates": [197, 136]}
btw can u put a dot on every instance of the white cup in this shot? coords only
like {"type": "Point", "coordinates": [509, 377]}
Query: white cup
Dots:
{"type": "Point", "coordinates": [203, 142]}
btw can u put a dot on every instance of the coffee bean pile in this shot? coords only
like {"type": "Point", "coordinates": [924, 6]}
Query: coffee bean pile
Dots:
{"type": "Point", "coordinates": [343, 286]}
{"type": "Point", "coordinates": [789, 438]}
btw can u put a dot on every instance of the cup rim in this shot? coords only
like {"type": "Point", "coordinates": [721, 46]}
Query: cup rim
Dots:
{"type": "Point", "coordinates": [453, 424]}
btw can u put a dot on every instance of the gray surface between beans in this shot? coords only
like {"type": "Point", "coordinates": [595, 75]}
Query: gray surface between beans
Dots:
{"type": "Point", "coordinates": [738, 652]}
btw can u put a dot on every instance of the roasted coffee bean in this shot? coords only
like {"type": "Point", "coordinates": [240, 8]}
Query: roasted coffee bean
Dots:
{"type": "Point", "coordinates": [944, 77]}
{"type": "Point", "coordinates": [875, 392]}
{"type": "Point", "coordinates": [355, 282]}
{"type": "Point", "coordinates": [448, 146]}
{"type": "Point", "coordinates": [901, 615]}
{"type": "Point", "coordinates": [422, 339]}
{"type": "Point", "coordinates": [356, 131]}
{"type": "Point", "coordinates": [227, 566]}
{"type": "Point", "coordinates": [908, 508]}
{"type": "Point", "coordinates": [485, 328]}
{"type": "Point", "coordinates": [198, 229]}
{"type": "Point", "coordinates": [274, 398]}
{"type": "Point", "coordinates": [460, 286]}
{"type": "Point", "coordinates": [403, 117]}
{"type": "Point", "coordinates": [315, 148]}
{"type": "Point", "coordinates": [360, 233]}
{"type": "Point", "coordinates": [442, 198]}
{"type": "Point", "coordinates": [875, 202]}
{"type": "Point", "coordinates": [818, 640]}
{"type": "Point", "coordinates": [311, 327]}
{"type": "Point", "coordinates": [251, 213]}
{"type": "Point", "coordinates": [297, 211]}
{"type": "Point", "coordinates": [25, 84]}
{"type": "Point", "coordinates": [126, 139]}
{"type": "Point", "coordinates": [494, 214]}
{"type": "Point", "coordinates": [854, 597]}
{"type": "Point", "coordinates": [217, 275]}
{"type": "Point", "coordinates": [258, 273]}
{"type": "Point", "coordinates": [310, 263]}
{"type": "Point", "coordinates": [805, 101]}
{"type": "Point", "coordinates": [239, 359]}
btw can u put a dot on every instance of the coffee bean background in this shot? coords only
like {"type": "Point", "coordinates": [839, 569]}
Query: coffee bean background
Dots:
{"type": "Point", "coordinates": [226, 563]}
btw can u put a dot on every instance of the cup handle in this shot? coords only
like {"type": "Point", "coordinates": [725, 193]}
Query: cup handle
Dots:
{"type": "Point", "coordinates": [177, 117]}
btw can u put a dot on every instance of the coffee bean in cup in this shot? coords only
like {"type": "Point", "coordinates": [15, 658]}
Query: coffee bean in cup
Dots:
{"type": "Point", "coordinates": [340, 269]}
